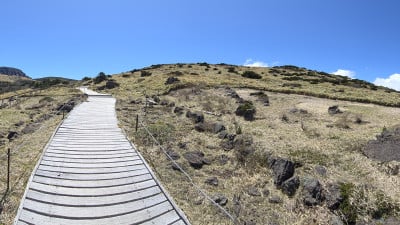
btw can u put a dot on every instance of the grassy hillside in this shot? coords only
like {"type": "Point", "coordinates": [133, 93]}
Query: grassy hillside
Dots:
{"type": "Point", "coordinates": [333, 181]}
{"type": "Point", "coordinates": [30, 116]}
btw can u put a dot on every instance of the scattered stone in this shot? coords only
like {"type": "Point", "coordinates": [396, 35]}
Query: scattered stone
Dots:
{"type": "Point", "coordinates": [223, 134]}
{"type": "Point", "coordinates": [30, 128]}
{"type": "Point", "coordinates": [290, 186]}
{"type": "Point", "coordinates": [266, 192]}
{"type": "Point", "coordinates": [222, 159]}
{"type": "Point", "coordinates": [182, 145]}
{"type": "Point", "coordinates": [335, 220]}
{"type": "Point", "coordinates": [333, 196]}
{"type": "Point", "coordinates": [320, 170]}
{"type": "Point", "coordinates": [175, 167]}
{"type": "Point", "coordinates": [253, 191]}
{"type": "Point", "coordinates": [231, 137]}
{"type": "Point", "coordinates": [298, 111]}
{"type": "Point", "coordinates": [200, 127]}
{"type": "Point", "coordinates": [232, 93]}
{"type": "Point", "coordinates": [12, 135]}
{"type": "Point", "coordinates": [227, 145]}
{"type": "Point", "coordinates": [212, 181]}
{"type": "Point", "coordinates": [164, 102]}
{"type": "Point", "coordinates": [332, 110]}
{"type": "Point", "coordinates": [236, 205]}
{"type": "Point", "coordinates": [178, 110]}
{"type": "Point", "coordinates": [171, 80]}
{"type": "Point", "coordinates": [275, 199]}
{"type": "Point", "coordinates": [220, 199]}
{"type": "Point", "coordinates": [171, 104]}
{"type": "Point", "coordinates": [196, 117]}
{"type": "Point", "coordinates": [173, 154]}
{"type": "Point", "coordinates": [283, 169]}
{"type": "Point", "coordinates": [312, 192]}
{"type": "Point", "coordinates": [218, 127]}
{"type": "Point", "coordinates": [195, 159]}
{"type": "Point", "coordinates": [20, 123]}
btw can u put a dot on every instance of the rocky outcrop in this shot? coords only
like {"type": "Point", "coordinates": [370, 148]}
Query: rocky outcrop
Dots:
{"type": "Point", "coordinates": [12, 72]}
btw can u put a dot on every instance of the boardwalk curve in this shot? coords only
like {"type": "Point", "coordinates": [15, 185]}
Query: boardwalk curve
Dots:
{"type": "Point", "coordinates": [90, 173]}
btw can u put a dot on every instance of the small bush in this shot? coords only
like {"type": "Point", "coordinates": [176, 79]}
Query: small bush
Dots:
{"type": "Point", "coordinates": [247, 110]}
{"type": "Point", "coordinates": [349, 211]}
{"type": "Point", "coordinates": [86, 79]}
{"type": "Point", "coordinates": [100, 78]}
{"type": "Point", "coordinates": [251, 75]}
{"type": "Point", "coordinates": [231, 69]}
{"type": "Point", "coordinates": [145, 73]}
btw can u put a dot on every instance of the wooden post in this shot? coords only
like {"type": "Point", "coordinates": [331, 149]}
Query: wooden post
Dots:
{"type": "Point", "coordinates": [8, 169]}
{"type": "Point", "coordinates": [137, 122]}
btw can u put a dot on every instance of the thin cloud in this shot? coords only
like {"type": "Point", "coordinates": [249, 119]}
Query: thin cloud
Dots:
{"type": "Point", "coordinates": [393, 81]}
{"type": "Point", "coordinates": [347, 73]}
{"type": "Point", "coordinates": [252, 63]}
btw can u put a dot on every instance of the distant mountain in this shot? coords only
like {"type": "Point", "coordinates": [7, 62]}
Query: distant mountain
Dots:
{"type": "Point", "coordinates": [12, 72]}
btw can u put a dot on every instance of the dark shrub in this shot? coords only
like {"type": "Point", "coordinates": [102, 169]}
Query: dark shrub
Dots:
{"type": "Point", "coordinates": [247, 110]}
{"type": "Point", "coordinates": [251, 75]}
{"type": "Point", "coordinates": [145, 73]}
{"type": "Point", "coordinates": [101, 77]}
{"type": "Point", "coordinates": [86, 79]}
{"type": "Point", "coordinates": [231, 69]}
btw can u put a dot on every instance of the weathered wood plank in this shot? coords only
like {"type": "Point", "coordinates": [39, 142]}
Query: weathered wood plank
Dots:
{"type": "Point", "coordinates": [90, 174]}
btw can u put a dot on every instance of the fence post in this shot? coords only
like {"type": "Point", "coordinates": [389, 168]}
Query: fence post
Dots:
{"type": "Point", "coordinates": [137, 122]}
{"type": "Point", "coordinates": [8, 169]}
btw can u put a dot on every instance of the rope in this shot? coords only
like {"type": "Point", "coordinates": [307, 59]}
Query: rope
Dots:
{"type": "Point", "coordinates": [187, 175]}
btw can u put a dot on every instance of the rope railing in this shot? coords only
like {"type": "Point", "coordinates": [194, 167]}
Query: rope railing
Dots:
{"type": "Point", "coordinates": [198, 189]}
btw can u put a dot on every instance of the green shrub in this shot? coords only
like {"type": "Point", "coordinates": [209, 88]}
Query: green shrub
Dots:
{"type": "Point", "coordinates": [100, 77]}
{"type": "Point", "coordinates": [251, 75]}
{"type": "Point", "coordinates": [349, 211]}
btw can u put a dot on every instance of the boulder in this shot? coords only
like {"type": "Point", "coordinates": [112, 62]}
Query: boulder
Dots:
{"type": "Point", "coordinates": [171, 153]}
{"type": "Point", "coordinates": [332, 110]}
{"type": "Point", "coordinates": [220, 199]}
{"type": "Point", "coordinates": [12, 135]}
{"type": "Point", "coordinates": [212, 181]}
{"type": "Point", "coordinates": [253, 191]}
{"type": "Point", "coordinates": [290, 186]}
{"type": "Point", "coordinates": [312, 192]}
{"type": "Point", "coordinates": [275, 199]}
{"type": "Point", "coordinates": [195, 159]}
{"type": "Point", "coordinates": [333, 196]}
{"type": "Point", "coordinates": [282, 169]}
{"type": "Point", "coordinates": [171, 80]}
{"type": "Point", "coordinates": [178, 110]}
{"type": "Point", "coordinates": [196, 117]}
{"type": "Point", "coordinates": [218, 127]}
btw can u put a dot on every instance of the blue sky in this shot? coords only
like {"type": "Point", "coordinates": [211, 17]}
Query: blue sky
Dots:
{"type": "Point", "coordinates": [77, 38]}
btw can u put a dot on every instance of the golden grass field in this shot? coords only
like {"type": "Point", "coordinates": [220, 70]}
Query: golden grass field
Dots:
{"type": "Point", "coordinates": [27, 147]}
{"type": "Point", "coordinates": [314, 139]}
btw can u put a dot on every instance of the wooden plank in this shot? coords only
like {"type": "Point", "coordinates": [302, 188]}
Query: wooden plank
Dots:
{"type": "Point", "coordinates": [90, 201]}
{"type": "Point", "coordinates": [109, 176]}
{"type": "Point", "coordinates": [90, 174]}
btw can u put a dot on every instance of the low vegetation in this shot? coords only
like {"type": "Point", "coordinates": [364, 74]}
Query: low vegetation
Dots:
{"type": "Point", "coordinates": [232, 158]}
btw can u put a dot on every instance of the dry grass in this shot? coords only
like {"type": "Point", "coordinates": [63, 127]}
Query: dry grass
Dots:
{"type": "Point", "coordinates": [26, 148]}
{"type": "Point", "coordinates": [314, 138]}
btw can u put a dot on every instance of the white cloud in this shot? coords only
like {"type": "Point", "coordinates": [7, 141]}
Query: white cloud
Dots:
{"type": "Point", "coordinates": [252, 63]}
{"type": "Point", "coordinates": [347, 73]}
{"type": "Point", "coordinates": [393, 81]}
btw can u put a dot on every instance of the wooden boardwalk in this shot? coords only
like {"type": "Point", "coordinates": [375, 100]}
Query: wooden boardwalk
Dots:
{"type": "Point", "coordinates": [90, 173]}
